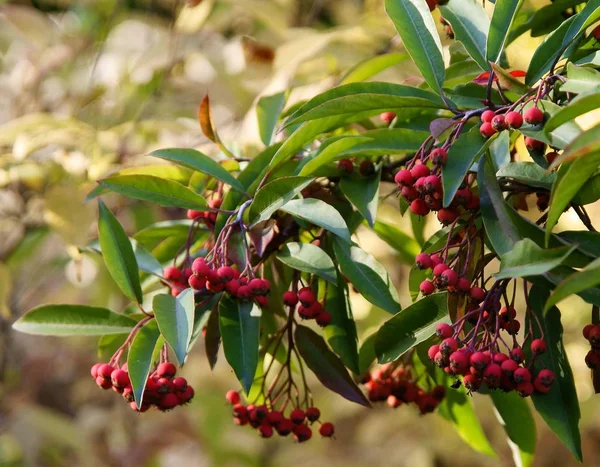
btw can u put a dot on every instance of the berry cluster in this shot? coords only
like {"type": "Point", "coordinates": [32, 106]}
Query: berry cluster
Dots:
{"type": "Point", "coordinates": [494, 122]}
{"type": "Point", "coordinates": [479, 363]}
{"type": "Point", "coordinates": [310, 307]}
{"type": "Point", "coordinates": [445, 277]}
{"type": "Point", "coordinates": [268, 421]}
{"type": "Point", "coordinates": [208, 217]}
{"type": "Point", "coordinates": [366, 167]}
{"type": "Point", "coordinates": [592, 333]}
{"type": "Point", "coordinates": [163, 390]}
{"type": "Point", "coordinates": [396, 386]}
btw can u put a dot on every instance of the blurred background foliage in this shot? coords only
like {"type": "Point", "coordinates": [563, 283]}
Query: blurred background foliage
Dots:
{"type": "Point", "coordinates": [88, 87]}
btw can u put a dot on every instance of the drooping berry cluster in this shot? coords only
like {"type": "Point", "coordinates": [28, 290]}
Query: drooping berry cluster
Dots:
{"type": "Point", "coordinates": [396, 385]}
{"type": "Point", "coordinates": [592, 333]}
{"type": "Point", "coordinates": [310, 307]}
{"type": "Point", "coordinates": [208, 217]}
{"type": "Point", "coordinates": [494, 122]}
{"type": "Point", "coordinates": [267, 420]}
{"type": "Point", "coordinates": [445, 277]}
{"type": "Point", "coordinates": [478, 359]}
{"type": "Point", "coordinates": [163, 390]}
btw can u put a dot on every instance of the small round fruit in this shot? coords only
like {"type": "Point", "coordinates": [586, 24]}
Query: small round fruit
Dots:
{"type": "Point", "coordinates": [327, 430]}
{"type": "Point", "coordinates": [487, 116]}
{"type": "Point", "coordinates": [514, 119]}
{"type": "Point", "coordinates": [533, 116]}
{"type": "Point", "coordinates": [487, 130]}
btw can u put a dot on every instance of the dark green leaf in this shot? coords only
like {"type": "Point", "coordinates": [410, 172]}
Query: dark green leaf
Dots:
{"type": "Point", "coordinates": [559, 408]}
{"type": "Point", "coordinates": [307, 257]}
{"type": "Point", "coordinates": [410, 327]}
{"type": "Point", "coordinates": [212, 339]}
{"type": "Point", "coordinates": [327, 366]}
{"type": "Point", "coordinates": [590, 192]}
{"type": "Point", "coordinates": [319, 213]}
{"type": "Point", "coordinates": [587, 242]}
{"type": "Point", "coordinates": [268, 110]}
{"type": "Point", "coordinates": [140, 358]}
{"type": "Point", "coordinates": [331, 150]}
{"type": "Point", "coordinates": [155, 190]}
{"type": "Point", "coordinates": [577, 282]}
{"type": "Point", "coordinates": [581, 80]}
{"type": "Point", "coordinates": [175, 318]}
{"type": "Point", "coordinates": [406, 246]}
{"type": "Point", "coordinates": [366, 355]}
{"type": "Point", "coordinates": [580, 105]}
{"type": "Point", "coordinates": [528, 259]}
{"type": "Point", "coordinates": [363, 193]}
{"type": "Point", "coordinates": [118, 254]}
{"type": "Point", "coordinates": [368, 276]}
{"type": "Point", "coordinates": [470, 24]}
{"type": "Point", "coordinates": [528, 173]}
{"type": "Point", "coordinates": [240, 328]}
{"type": "Point", "coordinates": [416, 27]}
{"type": "Point", "coordinates": [503, 17]}
{"type": "Point", "coordinates": [274, 195]}
{"type": "Point", "coordinates": [196, 160]}
{"type": "Point", "coordinates": [73, 320]}
{"type": "Point", "coordinates": [202, 314]}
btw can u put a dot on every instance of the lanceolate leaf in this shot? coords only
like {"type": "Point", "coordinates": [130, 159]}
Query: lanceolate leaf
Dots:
{"type": "Point", "coordinates": [503, 17]}
{"type": "Point", "coordinates": [240, 328]}
{"type": "Point", "coordinates": [368, 276]}
{"type": "Point", "coordinates": [406, 246]}
{"type": "Point", "coordinates": [307, 257]}
{"type": "Point", "coordinates": [559, 408]}
{"type": "Point", "coordinates": [410, 327]}
{"type": "Point", "coordinates": [319, 213]}
{"type": "Point", "coordinates": [330, 151]}
{"type": "Point", "coordinates": [155, 190]}
{"type": "Point", "coordinates": [212, 339]}
{"type": "Point", "coordinates": [470, 24]}
{"type": "Point", "coordinates": [528, 259]}
{"type": "Point", "coordinates": [461, 156]}
{"type": "Point", "coordinates": [196, 160]}
{"type": "Point", "coordinates": [373, 66]}
{"type": "Point", "coordinates": [363, 193]}
{"type": "Point", "coordinates": [577, 282]}
{"type": "Point", "coordinates": [528, 173]}
{"type": "Point", "coordinates": [274, 195]}
{"type": "Point", "coordinates": [327, 366]}
{"type": "Point", "coordinates": [175, 318]}
{"type": "Point", "coordinates": [515, 416]}
{"type": "Point", "coordinates": [140, 358]}
{"type": "Point", "coordinates": [118, 254]}
{"type": "Point", "coordinates": [581, 104]}
{"type": "Point", "coordinates": [416, 27]}
{"type": "Point", "coordinates": [73, 320]}
{"type": "Point", "coordinates": [268, 109]}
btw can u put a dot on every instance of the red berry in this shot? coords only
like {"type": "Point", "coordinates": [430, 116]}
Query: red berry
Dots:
{"type": "Point", "coordinates": [546, 377]}
{"type": "Point", "coordinates": [522, 375]}
{"type": "Point", "coordinates": [517, 354]}
{"type": "Point", "coordinates": [593, 337]}
{"type": "Point", "coordinates": [539, 387]}
{"type": "Point", "coordinates": [119, 378]}
{"type": "Point", "coordinates": [432, 4]}
{"type": "Point", "coordinates": [244, 292]}
{"type": "Point", "coordinates": [586, 334]}
{"type": "Point", "coordinates": [477, 294]}
{"type": "Point", "coordinates": [471, 382]}
{"type": "Point", "coordinates": [487, 116]}
{"type": "Point", "coordinates": [439, 269]}
{"type": "Point", "coordinates": [419, 207]}
{"type": "Point", "coordinates": [525, 389]}
{"type": "Point", "coordinates": [225, 273]}
{"type": "Point", "coordinates": [105, 371]}
{"type": "Point", "coordinates": [179, 384]}
{"type": "Point", "coordinates": [514, 119]}
{"type": "Point", "coordinates": [168, 401]}
{"type": "Point", "coordinates": [432, 184]}
{"type": "Point", "coordinates": [186, 395]}
{"type": "Point", "coordinates": [345, 166]}
{"type": "Point", "coordinates": [232, 397]}
{"type": "Point", "coordinates": [447, 216]}
{"type": "Point", "coordinates": [499, 358]}
{"type": "Point", "coordinates": [499, 123]}
{"type": "Point", "coordinates": [200, 268]}
{"type": "Point", "coordinates": [509, 367]}
{"type": "Point", "coordinates": [492, 374]}
{"type": "Point", "coordinates": [534, 145]}
{"type": "Point", "coordinates": [538, 346]}
{"type": "Point", "coordinates": [513, 327]}
{"type": "Point", "coordinates": [306, 296]}
{"type": "Point", "coordinates": [302, 433]}
{"type": "Point", "coordinates": [366, 168]}
{"type": "Point", "coordinates": [427, 287]}
{"type": "Point", "coordinates": [533, 116]}
{"type": "Point", "coordinates": [480, 360]}
{"type": "Point", "coordinates": [449, 277]}
{"type": "Point", "coordinates": [387, 117]}
{"type": "Point", "coordinates": [326, 430]}
{"type": "Point", "coordinates": [239, 410]}
{"type": "Point", "coordinates": [433, 351]}
{"type": "Point", "coordinates": [196, 282]}
{"type": "Point", "coordinates": [449, 346]}
{"type": "Point", "coordinates": [259, 413]}
{"type": "Point", "coordinates": [290, 298]}
{"type": "Point", "coordinates": [487, 130]}
{"type": "Point", "coordinates": [94, 370]}
{"type": "Point", "coordinates": [409, 193]}
{"type": "Point", "coordinates": [420, 171]}
{"type": "Point", "coordinates": [297, 416]}
{"type": "Point", "coordinates": [313, 414]}
{"type": "Point", "coordinates": [444, 330]}
{"type": "Point", "coordinates": [551, 157]}
{"type": "Point", "coordinates": [439, 157]}
{"type": "Point", "coordinates": [265, 430]}
{"type": "Point", "coordinates": [285, 427]}
{"type": "Point", "coordinates": [104, 383]}
{"type": "Point", "coordinates": [323, 319]}
{"type": "Point", "coordinates": [274, 418]}
{"type": "Point", "coordinates": [463, 285]}
{"type": "Point", "coordinates": [404, 178]}
{"type": "Point", "coordinates": [423, 261]}
{"type": "Point", "coordinates": [166, 370]}
{"type": "Point", "coordinates": [172, 273]}
{"type": "Point", "coordinates": [592, 360]}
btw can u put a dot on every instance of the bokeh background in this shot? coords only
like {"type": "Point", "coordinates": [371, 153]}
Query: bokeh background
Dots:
{"type": "Point", "coordinates": [88, 87]}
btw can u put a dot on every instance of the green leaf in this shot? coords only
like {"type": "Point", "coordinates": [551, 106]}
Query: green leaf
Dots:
{"type": "Point", "coordinates": [416, 27]}
{"type": "Point", "coordinates": [368, 276]}
{"type": "Point", "coordinates": [581, 80]}
{"type": "Point", "coordinates": [175, 318]}
{"type": "Point", "coordinates": [268, 110]}
{"type": "Point", "coordinates": [366, 354]}
{"type": "Point", "coordinates": [73, 320]}
{"type": "Point", "coordinates": [559, 407]}
{"type": "Point", "coordinates": [146, 262]}
{"type": "Point", "coordinates": [406, 246]}
{"type": "Point", "coordinates": [590, 192]}
{"type": "Point", "coordinates": [528, 173]}
{"type": "Point", "coordinates": [202, 314]}
{"type": "Point", "coordinates": [461, 156]}
{"type": "Point", "coordinates": [580, 105]}
{"type": "Point", "coordinates": [240, 329]}
{"type": "Point", "coordinates": [162, 230]}
{"type": "Point", "coordinates": [330, 151]}
{"type": "Point", "coordinates": [515, 416]}
{"type": "Point", "coordinates": [319, 213]}
{"type": "Point", "coordinates": [572, 175]}
{"type": "Point", "coordinates": [108, 344]}
{"type": "Point", "coordinates": [549, 51]}
{"type": "Point", "coordinates": [140, 358]}
{"type": "Point", "coordinates": [410, 327]}
{"type": "Point", "coordinates": [307, 257]}
{"type": "Point", "coordinates": [196, 160]}
{"type": "Point", "coordinates": [503, 18]}
{"type": "Point", "coordinates": [470, 24]}
{"type": "Point", "coordinates": [363, 194]}
{"type": "Point", "coordinates": [528, 259]}
{"type": "Point", "coordinates": [212, 339]}
{"type": "Point", "coordinates": [373, 97]}
{"type": "Point", "coordinates": [274, 195]}
{"type": "Point", "coordinates": [341, 332]}
{"type": "Point", "coordinates": [373, 66]}
{"type": "Point", "coordinates": [327, 366]}
{"type": "Point", "coordinates": [587, 242]}
{"type": "Point", "coordinates": [577, 282]}
{"type": "Point", "coordinates": [155, 190]}
{"type": "Point", "coordinates": [118, 254]}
